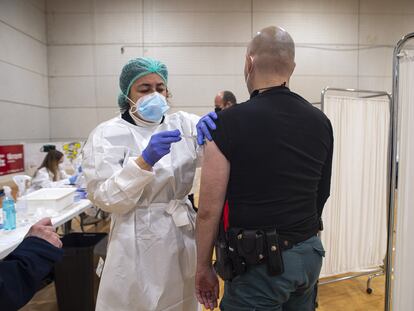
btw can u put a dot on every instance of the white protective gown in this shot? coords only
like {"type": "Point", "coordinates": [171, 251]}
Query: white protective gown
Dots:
{"type": "Point", "coordinates": [44, 179]}
{"type": "Point", "coordinates": [151, 258]}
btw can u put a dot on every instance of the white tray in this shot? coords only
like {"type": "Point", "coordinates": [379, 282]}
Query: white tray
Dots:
{"type": "Point", "coordinates": [51, 198]}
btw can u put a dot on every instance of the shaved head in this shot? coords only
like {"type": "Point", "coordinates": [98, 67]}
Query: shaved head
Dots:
{"type": "Point", "coordinates": [272, 52]}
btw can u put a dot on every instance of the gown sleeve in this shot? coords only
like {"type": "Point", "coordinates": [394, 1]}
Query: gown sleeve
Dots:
{"type": "Point", "coordinates": [114, 181]}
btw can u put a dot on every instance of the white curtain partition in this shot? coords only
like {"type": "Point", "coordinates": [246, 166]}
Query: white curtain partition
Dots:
{"type": "Point", "coordinates": [403, 298]}
{"type": "Point", "coordinates": [355, 215]}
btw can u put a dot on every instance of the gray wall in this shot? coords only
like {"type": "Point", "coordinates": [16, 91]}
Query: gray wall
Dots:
{"type": "Point", "coordinates": [342, 43]}
{"type": "Point", "coordinates": [24, 99]}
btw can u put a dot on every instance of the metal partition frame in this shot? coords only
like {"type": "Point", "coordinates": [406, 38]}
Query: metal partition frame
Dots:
{"type": "Point", "coordinates": [391, 180]}
{"type": "Point", "coordinates": [393, 166]}
{"type": "Point", "coordinates": [372, 94]}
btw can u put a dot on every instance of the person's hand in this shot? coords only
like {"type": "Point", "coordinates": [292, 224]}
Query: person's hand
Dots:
{"type": "Point", "coordinates": [207, 287]}
{"type": "Point", "coordinates": [203, 126]}
{"type": "Point", "coordinates": [159, 145]}
{"type": "Point", "coordinates": [43, 229]}
{"type": "Point", "coordinates": [73, 178]}
{"type": "Point", "coordinates": [80, 169]}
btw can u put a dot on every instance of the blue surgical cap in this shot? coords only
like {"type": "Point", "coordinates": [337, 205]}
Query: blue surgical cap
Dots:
{"type": "Point", "coordinates": [135, 69]}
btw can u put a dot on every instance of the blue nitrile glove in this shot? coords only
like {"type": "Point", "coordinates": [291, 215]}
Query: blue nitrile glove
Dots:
{"type": "Point", "coordinates": [72, 179]}
{"type": "Point", "coordinates": [80, 169]}
{"type": "Point", "coordinates": [159, 145]}
{"type": "Point", "coordinates": [203, 126]}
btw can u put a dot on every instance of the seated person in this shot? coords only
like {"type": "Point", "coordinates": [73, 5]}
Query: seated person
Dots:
{"type": "Point", "coordinates": [24, 269]}
{"type": "Point", "coordinates": [51, 173]}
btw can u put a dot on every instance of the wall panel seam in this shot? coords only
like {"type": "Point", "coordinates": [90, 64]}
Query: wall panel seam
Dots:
{"type": "Point", "coordinates": [24, 68]}
{"type": "Point", "coordinates": [22, 103]}
{"type": "Point", "coordinates": [24, 33]}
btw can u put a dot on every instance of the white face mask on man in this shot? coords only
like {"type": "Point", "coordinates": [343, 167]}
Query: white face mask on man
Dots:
{"type": "Point", "coordinates": [151, 107]}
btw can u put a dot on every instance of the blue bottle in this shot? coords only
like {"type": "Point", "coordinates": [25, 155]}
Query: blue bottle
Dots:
{"type": "Point", "coordinates": [9, 211]}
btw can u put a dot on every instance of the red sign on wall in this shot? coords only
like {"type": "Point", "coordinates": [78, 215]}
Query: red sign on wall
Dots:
{"type": "Point", "coordinates": [11, 159]}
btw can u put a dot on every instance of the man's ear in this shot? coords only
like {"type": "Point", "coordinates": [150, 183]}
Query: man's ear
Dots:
{"type": "Point", "coordinates": [249, 62]}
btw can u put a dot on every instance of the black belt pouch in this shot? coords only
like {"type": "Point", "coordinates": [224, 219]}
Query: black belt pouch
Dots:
{"type": "Point", "coordinates": [223, 264]}
{"type": "Point", "coordinates": [251, 245]}
{"type": "Point", "coordinates": [274, 254]}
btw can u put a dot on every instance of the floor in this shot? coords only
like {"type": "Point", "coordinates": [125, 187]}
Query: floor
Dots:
{"type": "Point", "coordinates": [351, 295]}
{"type": "Point", "coordinates": [344, 296]}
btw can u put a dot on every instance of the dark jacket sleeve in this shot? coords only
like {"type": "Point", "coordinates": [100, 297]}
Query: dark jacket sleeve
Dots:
{"type": "Point", "coordinates": [324, 186]}
{"type": "Point", "coordinates": [23, 270]}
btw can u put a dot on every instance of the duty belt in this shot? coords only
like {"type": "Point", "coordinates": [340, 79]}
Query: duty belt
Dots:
{"type": "Point", "coordinates": [239, 248]}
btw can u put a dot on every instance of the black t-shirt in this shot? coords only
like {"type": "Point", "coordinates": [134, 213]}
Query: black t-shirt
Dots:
{"type": "Point", "coordinates": [280, 151]}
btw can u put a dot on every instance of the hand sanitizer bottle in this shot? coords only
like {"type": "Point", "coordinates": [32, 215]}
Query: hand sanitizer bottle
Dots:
{"type": "Point", "coordinates": [9, 212]}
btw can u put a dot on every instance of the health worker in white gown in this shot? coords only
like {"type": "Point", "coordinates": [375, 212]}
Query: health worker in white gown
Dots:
{"type": "Point", "coordinates": [140, 167]}
{"type": "Point", "coordinates": [51, 173]}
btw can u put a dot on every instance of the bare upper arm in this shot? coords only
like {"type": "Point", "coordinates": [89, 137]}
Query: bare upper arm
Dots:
{"type": "Point", "coordinates": [214, 178]}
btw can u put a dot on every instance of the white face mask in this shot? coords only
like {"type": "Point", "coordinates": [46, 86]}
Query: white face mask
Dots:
{"type": "Point", "coordinates": [61, 167]}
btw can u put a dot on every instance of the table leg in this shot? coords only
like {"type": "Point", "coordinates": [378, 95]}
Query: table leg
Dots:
{"type": "Point", "coordinates": [67, 227]}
